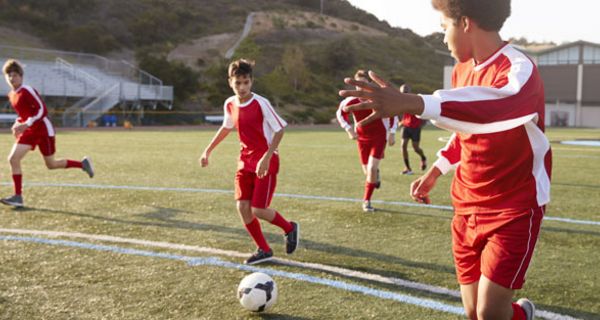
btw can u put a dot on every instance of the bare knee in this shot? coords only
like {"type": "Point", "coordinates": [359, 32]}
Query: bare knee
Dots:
{"type": "Point", "coordinates": [13, 160]}
{"type": "Point", "coordinates": [471, 313]}
{"type": "Point", "coordinates": [245, 211]}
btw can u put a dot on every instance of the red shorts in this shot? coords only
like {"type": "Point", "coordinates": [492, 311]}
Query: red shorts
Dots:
{"type": "Point", "coordinates": [258, 191]}
{"type": "Point", "coordinates": [499, 246]}
{"type": "Point", "coordinates": [371, 147]}
{"type": "Point", "coordinates": [32, 138]}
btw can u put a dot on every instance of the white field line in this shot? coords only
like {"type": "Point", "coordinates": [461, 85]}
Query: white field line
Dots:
{"type": "Point", "coordinates": [286, 195]}
{"type": "Point", "coordinates": [235, 254]}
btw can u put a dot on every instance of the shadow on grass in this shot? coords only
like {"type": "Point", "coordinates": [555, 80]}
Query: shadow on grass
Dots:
{"type": "Point", "coordinates": [166, 218]}
{"type": "Point", "coordinates": [275, 316]}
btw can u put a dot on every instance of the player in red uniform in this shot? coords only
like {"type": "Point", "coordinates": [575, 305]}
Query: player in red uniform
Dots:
{"type": "Point", "coordinates": [498, 147]}
{"type": "Point", "coordinates": [411, 130]}
{"type": "Point", "coordinates": [260, 130]}
{"type": "Point", "coordinates": [32, 128]}
{"type": "Point", "coordinates": [371, 140]}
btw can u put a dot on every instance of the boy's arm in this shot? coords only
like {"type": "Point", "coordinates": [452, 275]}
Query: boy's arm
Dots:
{"type": "Point", "coordinates": [392, 132]}
{"type": "Point", "coordinates": [36, 103]}
{"type": "Point", "coordinates": [448, 158]}
{"type": "Point", "coordinates": [276, 123]}
{"type": "Point", "coordinates": [219, 136]}
{"type": "Point", "coordinates": [343, 118]}
{"type": "Point", "coordinates": [262, 167]}
{"type": "Point", "coordinates": [472, 110]}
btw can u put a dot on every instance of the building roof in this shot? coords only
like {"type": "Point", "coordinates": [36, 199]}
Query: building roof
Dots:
{"type": "Point", "coordinates": [543, 49]}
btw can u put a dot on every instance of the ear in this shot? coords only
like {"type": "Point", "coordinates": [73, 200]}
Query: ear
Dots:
{"type": "Point", "coordinates": [467, 24]}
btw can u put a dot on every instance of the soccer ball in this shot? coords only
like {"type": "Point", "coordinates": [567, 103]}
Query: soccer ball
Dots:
{"type": "Point", "coordinates": [257, 292]}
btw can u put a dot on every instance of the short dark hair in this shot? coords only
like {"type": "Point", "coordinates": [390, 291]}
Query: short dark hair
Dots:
{"type": "Point", "coordinates": [405, 88]}
{"type": "Point", "coordinates": [12, 65]}
{"type": "Point", "coordinates": [240, 67]}
{"type": "Point", "coordinates": [489, 14]}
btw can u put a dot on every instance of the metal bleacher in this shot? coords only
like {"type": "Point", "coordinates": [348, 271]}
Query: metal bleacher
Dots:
{"type": "Point", "coordinates": [99, 83]}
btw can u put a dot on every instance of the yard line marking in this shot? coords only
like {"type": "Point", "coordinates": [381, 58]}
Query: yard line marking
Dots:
{"type": "Point", "coordinates": [214, 261]}
{"type": "Point", "coordinates": [229, 253]}
{"type": "Point", "coordinates": [286, 195]}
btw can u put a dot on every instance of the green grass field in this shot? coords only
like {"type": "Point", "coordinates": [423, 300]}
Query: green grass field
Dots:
{"type": "Point", "coordinates": [92, 278]}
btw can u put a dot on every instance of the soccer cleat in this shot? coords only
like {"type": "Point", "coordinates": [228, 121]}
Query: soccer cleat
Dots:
{"type": "Point", "coordinates": [528, 307]}
{"type": "Point", "coordinates": [15, 201]}
{"type": "Point", "coordinates": [424, 164]}
{"type": "Point", "coordinates": [367, 206]}
{"type": "Point", "coordinates": [407, 172]}
{"type": "Point", "coordinates": [259, 257]}
{"type": "Point", "coordinates": [292, 238]}
{"type": "Point", "coordinates": [86, 165]}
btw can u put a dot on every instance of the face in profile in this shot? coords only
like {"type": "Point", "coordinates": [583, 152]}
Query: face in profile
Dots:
{"type": "Point", "coordinates": [13, 79]}
{"type": "Point", "coordinates": [242, 86]}
{"type": "Point", "coordinates": [455, 38]}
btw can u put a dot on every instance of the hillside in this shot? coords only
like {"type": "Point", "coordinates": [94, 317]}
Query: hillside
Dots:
{"type": "Point", "coordinates": [302, 56]}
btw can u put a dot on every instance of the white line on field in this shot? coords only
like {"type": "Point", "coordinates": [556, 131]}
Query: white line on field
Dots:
{"type": "Point", "coordinates": [286, 195]}
{"type": "Point", "coordinates": [315, 266]}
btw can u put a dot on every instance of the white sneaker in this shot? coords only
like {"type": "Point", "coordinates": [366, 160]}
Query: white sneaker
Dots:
{"type": "Point", "coordinates": [528, 307]}
{"type": "Point", "coordinates": [367, 206]}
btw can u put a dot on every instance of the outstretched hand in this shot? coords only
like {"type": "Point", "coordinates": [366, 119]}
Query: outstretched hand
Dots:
{"type": "Point", "coordinates": [382, 97]}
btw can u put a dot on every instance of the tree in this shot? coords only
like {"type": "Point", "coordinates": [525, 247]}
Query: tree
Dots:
{"type": "Point", "coordinates": [294, 66]}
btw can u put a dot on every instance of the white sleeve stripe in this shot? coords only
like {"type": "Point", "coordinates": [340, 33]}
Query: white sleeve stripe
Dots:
{"type": "Point", "coordinates": [264, 103]}
{"type": "Point", "coordinates": [478, 128]}
{"type": "Point", "coordinates": [37, 98]}
{"type": "Point", "coordinates": [443, 165]}
{"type": "Point", "coordinates": [340, 118]}
{"type": "Point", "coordinates": [520, 72]}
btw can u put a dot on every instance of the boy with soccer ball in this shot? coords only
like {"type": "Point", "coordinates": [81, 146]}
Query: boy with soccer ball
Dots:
{"type": "Point", "coordinates": [498, 148]}
{"type": "Point", "coordinates": [260, 130]}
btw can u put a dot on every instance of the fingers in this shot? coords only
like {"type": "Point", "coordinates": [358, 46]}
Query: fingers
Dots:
{"type": "Point", "coordinates": [417, 194]}
{"type": "Point", "coordinates": [361, 84]}
{"type": "Point", "coordinates": [378, 80]}
{"type": "Point", "coordinates": [355, 93]}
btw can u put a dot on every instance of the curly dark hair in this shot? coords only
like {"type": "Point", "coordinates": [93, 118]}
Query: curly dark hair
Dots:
{"type": "Point", "coordinates": [489, 14]}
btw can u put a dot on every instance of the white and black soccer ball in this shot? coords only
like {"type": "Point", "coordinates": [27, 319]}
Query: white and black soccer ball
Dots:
{"type": "Point", "coordinates": [257, 292]}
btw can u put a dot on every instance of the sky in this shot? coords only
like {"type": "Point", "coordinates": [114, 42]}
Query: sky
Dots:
{"type": "Point", "coordinates": [558, 21]}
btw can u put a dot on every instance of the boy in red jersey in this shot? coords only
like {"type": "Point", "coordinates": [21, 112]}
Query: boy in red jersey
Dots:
{"type": "Point", "coordinates": [32, 128]}
{"type": "Point", "coordinates": [411, 130]}
{"type": "Point", "coordinates": [498, 147]}
{"type": "Point", "coordinates": [260, 130]}
{"type": "Point", "coordinates": [371, 140]}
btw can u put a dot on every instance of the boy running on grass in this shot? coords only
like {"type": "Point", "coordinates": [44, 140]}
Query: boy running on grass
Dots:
{"type": "Point", "coordinates": [498, 147]}
{"type": "Point", "coordinates": [32, 128]}
{"type": "Point", "coordinates": [260, 130]}
{"type": "Point", "coordinates": [371, 140]}
{"type": "Point", "coordinates": [411, 130]}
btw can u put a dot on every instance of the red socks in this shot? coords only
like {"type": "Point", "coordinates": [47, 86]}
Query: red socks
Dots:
{"type": "Point", "coordinates": [518, 312]}
{"type": "Point", "coordinates": [256, 233]}
{"type": "Point", "coordinates": [369, 188]}
{"type": "Point", "coordinates": [73, 164]}
{"type": "Point", "coordinates": [18, 183]}
{"type": "Point", "coordinates": [280, 221]}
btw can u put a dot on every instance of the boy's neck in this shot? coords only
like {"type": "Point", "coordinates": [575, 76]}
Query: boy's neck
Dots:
{"type": "Point", "coordinates": [245, 99]}
{"type": "Point", "coordinates": [487, 43]}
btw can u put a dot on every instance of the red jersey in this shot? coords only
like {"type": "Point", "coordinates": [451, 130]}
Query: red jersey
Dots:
{"type": "Point", "coordinates": [373, 130]}
{"type": "Point", "coordinates": [256, 122]}
{"type": "Point", "coordinates": [496, 111]}
{"type": "Point", "coordinates": [411, 121]}
{"type": "Point", "coordinates": [31, 110]}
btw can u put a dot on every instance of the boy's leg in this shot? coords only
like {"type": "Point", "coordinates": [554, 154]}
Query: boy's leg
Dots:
{"type": "Point", "coordinates": [17, 154]}
{"type": "Point", "coordinates": [47, 147]}
{"type": "Point", "coordinates": [244, 186]}
{"type": "Point", "coordinates": [407, 169]}
{"type": "Point", "coordinates": [495, 302]}
{"type": "Point", "coordinates": [468, 293]}
{"type": "Point", "coordinates": [419, 151]}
